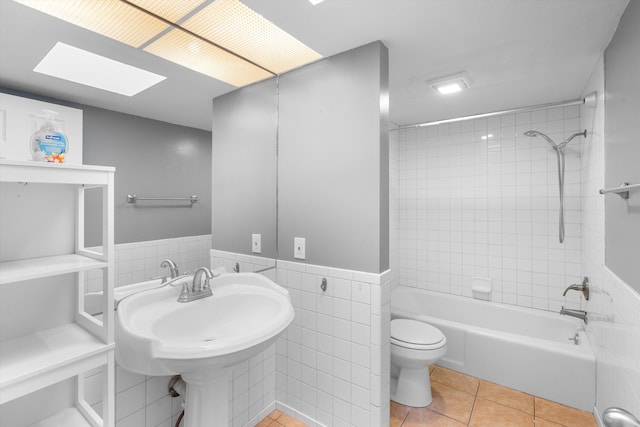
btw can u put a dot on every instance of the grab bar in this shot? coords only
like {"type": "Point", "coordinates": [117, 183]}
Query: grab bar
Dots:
{"type": "Point", "coordinates": [132, 198]}
{"type": "Point", "coordinates": [622, 190]}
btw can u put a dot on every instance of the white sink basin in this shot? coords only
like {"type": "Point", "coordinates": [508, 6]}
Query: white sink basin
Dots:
{"type": "Point", "coordinates": [156, 335]}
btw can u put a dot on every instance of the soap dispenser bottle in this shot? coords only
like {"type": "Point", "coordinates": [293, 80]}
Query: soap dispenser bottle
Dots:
{"type": "Point", "coordinates": [49, 143]}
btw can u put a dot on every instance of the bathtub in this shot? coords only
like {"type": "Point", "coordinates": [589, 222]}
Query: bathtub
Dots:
{"type": "Point", "coordinates": [524, 349]}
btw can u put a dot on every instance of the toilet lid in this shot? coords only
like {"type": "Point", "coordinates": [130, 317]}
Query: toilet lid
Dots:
{"type": "Point", "coordinates": [415, 332]}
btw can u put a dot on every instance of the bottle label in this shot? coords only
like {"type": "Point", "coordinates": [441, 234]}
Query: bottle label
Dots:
{"type": "Point", "coordinates": [53, 147]}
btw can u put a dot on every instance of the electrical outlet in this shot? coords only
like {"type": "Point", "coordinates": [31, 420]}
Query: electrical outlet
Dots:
{"type": "Point", "coordinates": [256, 243]}
{"type": "Point", "coordinates": [299, 247]}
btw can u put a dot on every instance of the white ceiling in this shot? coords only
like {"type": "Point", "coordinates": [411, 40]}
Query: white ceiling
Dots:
{"type": "Point", "coordinates": [517, 52]}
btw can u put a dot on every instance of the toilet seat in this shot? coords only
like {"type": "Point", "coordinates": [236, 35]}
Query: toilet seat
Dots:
{"type": "Point", "coordinates": [416, 335]}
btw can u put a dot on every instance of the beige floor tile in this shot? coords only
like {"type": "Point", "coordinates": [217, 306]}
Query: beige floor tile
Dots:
{"type": "Point", "coordinates": [562, 414]}
{"type": "Point", "coordinates": [421, 417]}
{"type": "Point", "coordinates": [398, 414]}
{"type": "Point", "coordinates": [451, 402]}
{"type": "Point", "coordinates": [506, 396]}
{"type": "Point", "coordinates": [490, 414]}
{"type": "Point", "coordinates": [454, 379]}
{"type": "Point", "coordinates": [275, 414]}
{"type": "Point", "coordinates": [541, 422]}
{"type": "Point", "coordinates": [288, 421]}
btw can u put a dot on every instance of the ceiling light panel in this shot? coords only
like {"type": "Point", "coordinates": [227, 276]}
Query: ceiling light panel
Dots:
{"type": "Point", "coordinates": [451, 84]}
{"type": "Point", "coordinates": [80, 66]}
{"type": "Point", "coordinates": [172, 11]}
{"type": "Point", "coordinates": [236, 27]}
{"type": "Point", "coordinates": [111, 18]}
{"type": "Point", "coordinates": [189, 51]}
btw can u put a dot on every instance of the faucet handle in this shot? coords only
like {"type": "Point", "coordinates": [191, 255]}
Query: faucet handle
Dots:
{"type": "Point", "coordinates": [184, 294]}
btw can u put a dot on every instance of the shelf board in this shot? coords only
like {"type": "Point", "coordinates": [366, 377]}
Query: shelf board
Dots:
{"type": "Point", "coordinates": [58, 173]}
{"type": "Point", "coordinates": [69, 417]}
{"type": "Point", "coordinates": [46, 357]}
{"type": "Point", "coordinates": [34, 268]}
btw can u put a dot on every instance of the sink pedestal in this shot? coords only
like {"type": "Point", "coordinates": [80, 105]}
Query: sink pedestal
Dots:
{"type": "Point", "coordinates": [207, 398]}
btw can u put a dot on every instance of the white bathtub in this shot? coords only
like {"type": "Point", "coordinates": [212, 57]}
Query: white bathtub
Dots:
{"type": "Point", "coordinates": [524, 349]}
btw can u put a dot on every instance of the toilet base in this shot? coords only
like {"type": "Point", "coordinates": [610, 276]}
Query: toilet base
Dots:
{"type": "Point", "coordinates": [413, 388]}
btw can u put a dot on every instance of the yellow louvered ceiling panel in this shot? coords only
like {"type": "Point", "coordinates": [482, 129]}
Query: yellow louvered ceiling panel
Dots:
{"type": "Point", "coordinates": [189, 51]}
{"type": "Point", "coordinates": [236, 27]}
{"type": "Point", "coordinates": [247, 36]}
{"type": "Point", "coordinates": [170, 10]}
{"type": "Point", "coordinates": [111, 18]}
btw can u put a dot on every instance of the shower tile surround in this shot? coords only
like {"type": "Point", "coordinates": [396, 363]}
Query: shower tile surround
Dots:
{"type": "Point", "coordinates": [477, 198]}
{"type": "Point", "coordinates": [614, 327]}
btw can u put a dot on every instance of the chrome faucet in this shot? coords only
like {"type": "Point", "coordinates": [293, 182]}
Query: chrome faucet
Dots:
{"type": "Point", "coordinates": [173, 282]}
{"type": "Point", "coordinates": [580, 314]}
{"type": "Point", "coordinates": [173, 269]}
{"type": "Point", "coordinates": [584, 288]}
{"type": "Point", "coordinates": [197, 289]}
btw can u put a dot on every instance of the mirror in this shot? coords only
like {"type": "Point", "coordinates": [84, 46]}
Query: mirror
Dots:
{"type": "Point", "coordinates": [244, 134]}
{"type": "Point", "coordinates": [305, 155]}
{"type": "Point", "coordinates": [622, 148]}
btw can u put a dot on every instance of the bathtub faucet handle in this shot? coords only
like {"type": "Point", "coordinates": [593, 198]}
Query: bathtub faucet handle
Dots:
{"type": "Point", "coordinates": [575, 339]}
{"type": "Point", "coordinates": [583, 287]}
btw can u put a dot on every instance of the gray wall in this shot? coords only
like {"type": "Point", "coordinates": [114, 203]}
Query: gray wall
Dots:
{"type": "Point", "coordinates": [331, 120]}
{"type": "Point", "coordinates": [333, 160]}
{"type": "Point", "coordinates": [622, 147]}
{"type": "Point", "coordinates": [153, 159]}
{"type": "Point", "coordinates": [244, 133]}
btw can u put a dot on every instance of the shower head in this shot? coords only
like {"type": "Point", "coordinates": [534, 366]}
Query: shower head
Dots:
{"type": "Point", "coordinates": [534, 133]}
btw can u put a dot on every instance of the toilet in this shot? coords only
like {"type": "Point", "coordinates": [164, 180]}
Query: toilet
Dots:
{"type": "Point", "coordinates": [414, 346]}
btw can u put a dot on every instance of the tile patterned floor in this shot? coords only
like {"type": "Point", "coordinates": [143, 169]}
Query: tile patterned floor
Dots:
{"type": "Point", "coordinates": [280, 419]}
{"type": "Point", "coordinates": [461, 400]}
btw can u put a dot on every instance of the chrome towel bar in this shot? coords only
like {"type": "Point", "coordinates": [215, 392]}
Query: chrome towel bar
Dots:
{"type": "Point", "coordinates": [622, 190]}
{"type": "Point", "coordinates": [132, 198]}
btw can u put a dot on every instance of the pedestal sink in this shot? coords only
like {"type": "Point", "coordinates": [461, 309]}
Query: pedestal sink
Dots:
{"type": "Point", "coordinates": [201, 340]}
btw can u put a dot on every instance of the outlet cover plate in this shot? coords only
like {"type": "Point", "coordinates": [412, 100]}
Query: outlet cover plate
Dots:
{"type": "Point", "coordinates": [299, 247]}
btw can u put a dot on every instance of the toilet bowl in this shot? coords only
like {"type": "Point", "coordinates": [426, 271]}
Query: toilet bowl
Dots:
{"type": "Point", "coordinates": [414, 346]}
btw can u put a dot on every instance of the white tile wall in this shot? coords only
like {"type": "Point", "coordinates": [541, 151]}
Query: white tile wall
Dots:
{"type": "Point", "coordinates": [140, 261]}
{"type": "Point", "coordinates": [479, 199]}
{"type": "Point", "coordinates": [614, 309]}
{"type": "Point", "coordinates": [333, 361]}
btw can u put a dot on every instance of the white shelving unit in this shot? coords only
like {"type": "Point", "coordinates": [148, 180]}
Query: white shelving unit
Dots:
{"type": "Point", "coordinates": [54, 354]}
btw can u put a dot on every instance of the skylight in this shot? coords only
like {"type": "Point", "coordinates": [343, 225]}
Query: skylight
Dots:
{"type": "Point", "coordinates": [80, 66]}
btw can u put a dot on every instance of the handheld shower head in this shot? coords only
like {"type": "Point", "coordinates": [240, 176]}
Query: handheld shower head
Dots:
{"type": "Point", "coordinates": [534, 133]}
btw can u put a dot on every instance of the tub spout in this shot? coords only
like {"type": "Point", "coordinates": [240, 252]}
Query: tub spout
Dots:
{"type": "Point", "coordinates": [580, 314]}
{"type": "Point", "coordinates": [583, 287]}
